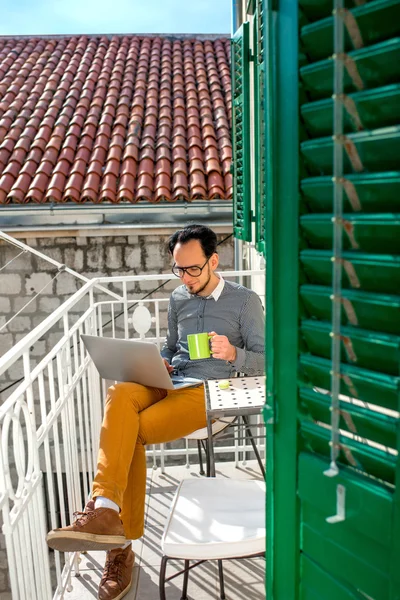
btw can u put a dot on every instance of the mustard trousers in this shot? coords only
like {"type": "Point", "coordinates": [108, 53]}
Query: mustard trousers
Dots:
{"type": "Point", "coordinates": [134, 417]}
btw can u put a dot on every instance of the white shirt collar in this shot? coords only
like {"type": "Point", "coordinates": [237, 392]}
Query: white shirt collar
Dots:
{"type": "Point", "coordinates": [218, 290]}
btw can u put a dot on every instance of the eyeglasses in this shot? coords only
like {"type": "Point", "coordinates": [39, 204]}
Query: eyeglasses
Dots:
{"type": "Point", "coordinates": [192, 271]}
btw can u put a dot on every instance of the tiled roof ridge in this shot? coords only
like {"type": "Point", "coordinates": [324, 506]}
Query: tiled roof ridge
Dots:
{"type": "Point", "coordinates": [140, 36]}
{"type": "Point", "coordinates": [123, 119]}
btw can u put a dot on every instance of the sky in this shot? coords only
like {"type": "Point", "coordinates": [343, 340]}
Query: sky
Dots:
{"type": "Point", "coordinates": [46, 17]}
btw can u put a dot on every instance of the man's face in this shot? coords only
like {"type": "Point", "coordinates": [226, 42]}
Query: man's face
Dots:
{"type": "Point", "coordinates": [189, 255]}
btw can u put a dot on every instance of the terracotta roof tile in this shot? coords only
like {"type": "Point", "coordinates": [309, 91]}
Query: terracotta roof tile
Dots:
{"type": "Point", "coordinates": [117, 120]}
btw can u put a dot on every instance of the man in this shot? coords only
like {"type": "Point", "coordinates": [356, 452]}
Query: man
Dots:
{"type": "Point", "coordinates": [136, 415]}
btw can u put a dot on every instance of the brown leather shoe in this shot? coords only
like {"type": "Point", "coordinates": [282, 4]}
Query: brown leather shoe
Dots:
{"type": "Point", "coordinates": [94, 529]}
{"type": "Point", "coordinates": [117, 574]}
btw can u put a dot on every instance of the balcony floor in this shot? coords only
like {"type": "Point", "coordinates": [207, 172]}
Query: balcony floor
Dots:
{"type": "Point", "coordinates": [244, 579]}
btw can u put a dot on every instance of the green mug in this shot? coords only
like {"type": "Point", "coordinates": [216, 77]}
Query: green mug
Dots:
{"type": "Point", "coordinates": [199, 345]}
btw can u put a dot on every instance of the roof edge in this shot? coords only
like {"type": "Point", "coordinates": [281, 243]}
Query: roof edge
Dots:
{"type": "Point", "coordinates": [170, 36]}
{"type": "Point", "coordinates": [106, 215]}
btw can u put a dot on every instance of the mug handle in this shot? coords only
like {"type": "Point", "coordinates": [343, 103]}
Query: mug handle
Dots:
{"type": "Point", "coordinates": [210, 338]}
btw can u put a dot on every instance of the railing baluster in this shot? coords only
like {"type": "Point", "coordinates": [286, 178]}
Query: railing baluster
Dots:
{"type": "Point", "coordinates": [84, 381]}
{"type": "Point", "coordinates": [49, 470]}
{"type": "Point", "coordinates": [27, 558]}
{"type": "Point", "coordinates": [80, 420]}
{"type": "Point", "coordinates": [77, 498]}
{"type": "Point", "coordinates": [157, 315]}
{"type": "Point", "coordinates": [126, 316]}
{"type": "Point", "coordinates": [113, 319]}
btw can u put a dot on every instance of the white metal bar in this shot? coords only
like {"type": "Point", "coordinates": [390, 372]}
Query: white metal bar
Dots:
{"type": "Point", "coordinates": [23, 574]}
{"type": "Point", "coordinates": [10, 540]}
{"type": "Point", "coordinates": [57, 448]}
{"type": "Point", "coordinates": [60, 404]}
{"type": "Point", "coordinates": [72, 418]}
{"type": "Point", "coordinates": [95, 397]}
{"type": "Point", "coordinates": [49, 470]}
{"type": "Point", "coordinates": [157, 315]}
{"type": "Point", "coordinates": [154, 454]}
{"type": "Point", "coordinates": [126, 316]}
{"type": "Point", "coordinates": [34, 535]}
{"type": "Point", "coordinates": [99, 308]}
{"type": "Point", "coordinates": [57, 264]}
{"type": "Point", "coordinates": [43, 549]}
{"type": "Point", "coordinates": [146, 300]}
{"type": "Point", "coordinates": [31, 338]}
{"type": "Point", "coordinates": [80, 421]}
{"type": "Point", "coordinates": [176, 452]}
{"type": "Point", "coordinates": [27, 376]}
{"type": "Point", "coordinates": [162, 458]}
{"type": "Point", "coordinates": [86, 414]}
{"type": "Point", "coordinates": [28, 303]}
{"type": "Point", "coordinates": [12, 259]}
{"type": "Point", "coordinates": [66, 452]}
{"type": "Point", "coordinates": [94, 391]}
{"type": "Point", "coordinates": [168, 277]}
{"type": "Point", "coordinates": [113, 320]}
{"type": "Point", "coordinates": [27, 559]}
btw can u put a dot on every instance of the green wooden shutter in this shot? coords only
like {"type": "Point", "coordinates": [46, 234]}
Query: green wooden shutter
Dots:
{"type": "Point", "coordinates": [349, 332]}
{"type": "Point", "coordinates": [259, 118]}
{"type": "Point", "coordinates": [241, 133]}
{"type": "Point", "coordinates": [333, 375]}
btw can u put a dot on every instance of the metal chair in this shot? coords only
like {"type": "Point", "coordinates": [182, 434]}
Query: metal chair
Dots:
{"type": "Point", "coordinates": [201, 436]}
{"type": "Point", "coordinates": [213, 519]}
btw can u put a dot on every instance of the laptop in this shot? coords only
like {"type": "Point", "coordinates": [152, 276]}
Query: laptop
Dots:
{"type": "Point", "coordinates": [133, 361]}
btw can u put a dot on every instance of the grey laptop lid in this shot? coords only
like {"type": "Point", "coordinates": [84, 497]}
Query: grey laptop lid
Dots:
{"type": "Point", "coordinates": [131, 360]}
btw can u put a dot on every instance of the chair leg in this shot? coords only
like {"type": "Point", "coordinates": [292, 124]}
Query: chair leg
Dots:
{"type": "Point", "coordinates": [208, 462]}
{"type": "Point", "coordinates": [253, 443]}
{"type": "Point", "coordinates": [200, 457]}
{"type": "Point", "coordinates": [163, 569]}
{"type": "Point", "coordinates": [185, 581]}
{"type": "Point", "coordinates": [221, 580]}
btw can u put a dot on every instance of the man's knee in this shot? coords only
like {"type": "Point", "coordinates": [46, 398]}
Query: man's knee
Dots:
{"type": "Point", "coordinates": [138, 396]}
{"type": "Point", "coordinates": [122, 392]}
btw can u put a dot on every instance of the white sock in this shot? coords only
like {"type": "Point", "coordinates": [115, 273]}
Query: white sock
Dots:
{"type": "Point", "coordinates": [103, 502]}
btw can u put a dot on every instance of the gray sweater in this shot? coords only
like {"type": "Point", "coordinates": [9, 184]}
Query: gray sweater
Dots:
{"type": "Point", "coordinates": [238, 314]}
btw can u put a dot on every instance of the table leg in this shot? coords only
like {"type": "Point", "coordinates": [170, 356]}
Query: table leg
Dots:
{"type": "Point", "coordinates": [248, 433]}
{"type": "Point", "coordinates": [210, 447]}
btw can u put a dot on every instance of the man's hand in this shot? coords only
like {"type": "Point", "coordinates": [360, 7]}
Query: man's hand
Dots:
{"type": "Point", "coordinates": [221, 347]}
{"type": "Point", "coordinates": [168, 366]}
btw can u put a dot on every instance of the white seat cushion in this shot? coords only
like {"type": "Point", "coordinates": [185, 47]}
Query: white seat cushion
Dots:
{"type": "Point", "coordinates": [216, 518]}
{"type": "Point", "coordinates": [217, 426]}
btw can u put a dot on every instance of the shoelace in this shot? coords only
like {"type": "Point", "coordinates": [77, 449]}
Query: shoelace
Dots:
{"type": "Point", "coordinates": [112, 567]}
{"type": "Point", "coordinates": [82, 516]}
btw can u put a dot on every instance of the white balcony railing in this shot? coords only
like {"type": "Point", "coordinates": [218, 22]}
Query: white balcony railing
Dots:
{"type": "Point", "coordinates": [50, 424]}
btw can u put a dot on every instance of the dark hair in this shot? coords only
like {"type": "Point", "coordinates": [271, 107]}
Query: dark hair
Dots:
{"type": "Point", "coordinates": [205, 235]}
